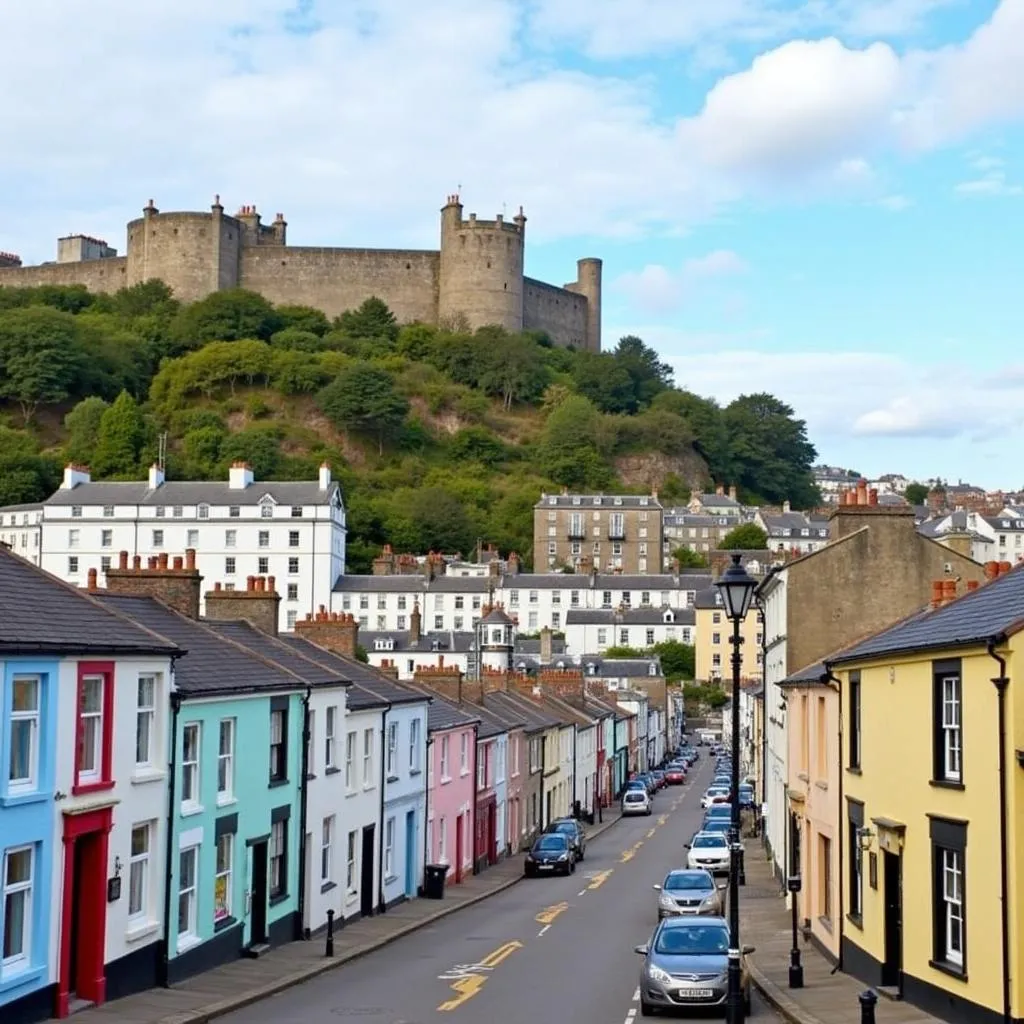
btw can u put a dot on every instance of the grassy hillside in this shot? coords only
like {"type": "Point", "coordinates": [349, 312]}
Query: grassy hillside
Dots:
{"type": "Point", "coordinates": [441, 437]}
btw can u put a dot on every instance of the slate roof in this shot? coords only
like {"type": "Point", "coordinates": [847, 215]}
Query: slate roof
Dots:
{"type": "Point", "coordinates": [531, 645]}
{"type": "Point", "coordinates": [629, 617]}
{"type": "Point", "coordinates": [790, 524]}
{"type": "Point", "coordinates": [597, 501]}
{"type": "Point", "coordinates": [414, 584]}
{"type": "Point", "coordinates": [511, 705]}
{"type": "Point", "coordinates": [459, 641]}
{"type": "Point", "coordinates": [213, 664]}
{"type": "Point", "coordinates": [193, 492]}
{"type": "Point", "coordinates": [618, 668]}
{"type": "Point", "coordinates": [492, 723]}
{"type": "Point", "coordinates": [497, 617]}
{"type": "Point", "coordinates": [444, 714]}
{"type": "Point", "coordinates": [273, 650]}
{"type": "Point", "coordinates": [42, 614]}
{"type": "Point", "coordinates": [811, 674]}
{"type": "Point", "coordinates": [993, 610]}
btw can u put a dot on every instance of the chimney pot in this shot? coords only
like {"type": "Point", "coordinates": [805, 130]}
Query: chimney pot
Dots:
{"type": "Point", "coordinates": [164, 560]}
{"type": "Point", "coordinates": [1004, 568]}
{"type": "Point", "coordinates": [873, 496]}
{"type": "Point", "coordinates": [271, 584]}
{"type": "Point", "coordinates": [122, 561]}
{"type": "Point", "coordinates": [217, 588]}
{"type": "Point", "coordinates": [179, 562]}
{"type": "Point", "coordinates": [249, 583]}
{"type": "Point", "coordinates": [440, 661]}
{"type": "Point", "coordinates": [190, 559]}
{"type": "Point", "coordinates": [972, 585]}
{"type": "Point", "coordinates": [151, 562]}
{"type": "Point", "coordinates": [92, 579]}
{"type": "Point", "coordinates": [136, 562]}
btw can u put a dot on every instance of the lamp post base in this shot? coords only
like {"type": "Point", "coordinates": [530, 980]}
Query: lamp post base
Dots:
{"type": "Point", "coordinates": [796, 970]}
{"type": "Point", "coordinates": [734, 1001]}
{"type": "Point", "coordinates": [740, 866]}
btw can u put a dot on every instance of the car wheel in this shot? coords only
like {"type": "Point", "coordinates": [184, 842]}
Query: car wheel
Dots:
{"type": "Point", "coordinates": [647, 1009]}
{"type": "Point", "coordinates": [582, 854]}
{"type": "Point", "coordinates": [649, 810]}
{"type": "Point", "coordinates": [572, 867]}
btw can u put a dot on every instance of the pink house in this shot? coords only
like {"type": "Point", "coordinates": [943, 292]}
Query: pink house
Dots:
{"type": "Point", "coordinates": [451, 764]}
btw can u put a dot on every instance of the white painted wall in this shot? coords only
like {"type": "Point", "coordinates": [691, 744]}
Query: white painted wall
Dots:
{"type": "Point", "coordinates": [775, 717]}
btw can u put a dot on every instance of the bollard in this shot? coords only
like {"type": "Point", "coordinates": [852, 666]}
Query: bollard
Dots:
{"type": "Point", "coordinates": [868, 999]}
{"type": "Point", "coordinates": [330, 934]}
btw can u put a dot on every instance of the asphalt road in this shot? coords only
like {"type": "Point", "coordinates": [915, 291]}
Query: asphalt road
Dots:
{"type": "Point", "coordinates": [546, 949]}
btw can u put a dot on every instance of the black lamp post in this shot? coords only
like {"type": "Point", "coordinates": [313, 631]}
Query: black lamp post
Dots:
{"type": "Point", "coordinates": [737, 589]}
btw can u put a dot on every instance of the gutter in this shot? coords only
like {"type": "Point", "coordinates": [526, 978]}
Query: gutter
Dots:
{"type": "Point", "coordinates": [381, 904]}
{"type": "Point", "coordinates": [301, 931]}
{"type": "Point", "coordinates": [841, 878]}
{"type": "Point", "coordinates": [575, 732]}
{"type": "Point", "coordinates": [172, 817]}
{"type": "Point", "coordinates": [1001, 683]}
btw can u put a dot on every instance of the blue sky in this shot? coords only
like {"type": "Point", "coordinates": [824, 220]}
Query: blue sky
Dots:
{"type": "Point", "coordinates": [819, 198]}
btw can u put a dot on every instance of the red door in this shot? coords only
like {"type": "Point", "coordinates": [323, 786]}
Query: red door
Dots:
{"type": "Point", "coordinates": [492, 834]}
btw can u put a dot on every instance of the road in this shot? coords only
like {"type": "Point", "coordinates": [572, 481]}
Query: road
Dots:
{"type": "Point", "coordinates": [546, 949]}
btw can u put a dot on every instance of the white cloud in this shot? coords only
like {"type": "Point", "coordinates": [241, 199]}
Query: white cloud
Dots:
{"type": "Point", "coordinates": [660, 289]}
{"type": "Point", "coordinates": [993, 183]}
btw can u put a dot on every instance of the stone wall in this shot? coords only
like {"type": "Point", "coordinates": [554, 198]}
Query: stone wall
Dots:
{"type": "Point", "coordinates": [106, 275]}
{"type": "Point", "coordinates": [561, 313]}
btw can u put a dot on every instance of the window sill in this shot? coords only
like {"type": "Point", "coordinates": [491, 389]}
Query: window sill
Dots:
{"type": "Point", "coordinates": [950, 970]}
{"type": "Point", "coordinates": [191, 810]}
{"type": "Point", "coordinates": [141, 931]}
{"type": "Point", "coordinates": [826, 923]}
{"type": "Point", "coordinates": [92, 787]}
{"type": "Point", "coordinates": [331, 770]}
{"type": "Point", "coordinates": [388, 879]}
{"type": "Point", "coordinates": [946, 784]}
{"type": "Point", "coordinates": [415, 771]}
{"type": "Point", "coordinates": [146, 775]}
{"type": "Point", "coordinates": [445, 779]}
{"type": "Point", "coordinates": [276, 783]}
{"type": "Point", "coordinates": [854, 769]}
{"type": "Point", "coordinates": [186, 942]}
{"type": "Point", "coordinates": [327, 887]}
{"type": "Point", "coordinates": [227, 801]}
{"type": "Point", "coordinates": [351, 895]}
{"type": "Point", "coordinates": [349, 794]}
{"type": "Point", "coordinates": [278, 899]}
{"type": "Point", "coordinates": [22, 977]}
{"type": "Point", "coordinates": [368, 786]}
{"type": "Point", "coordinates": [17, 799]}
{"type": "Point", "coordinates": [821, 784]}
{"type": "Point", "coordinates": [391, 778]}
{"type": "Point", "coordinates": [223, 923]}
{"type": "Point", "coordinates": [856, 920]}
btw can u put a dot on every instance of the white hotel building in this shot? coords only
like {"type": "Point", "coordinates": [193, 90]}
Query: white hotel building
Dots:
{"type": "Point", "coordinates": [292, 530]}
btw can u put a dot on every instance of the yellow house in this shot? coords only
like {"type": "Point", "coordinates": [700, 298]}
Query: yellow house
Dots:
{"type": "Point", "coordinates": [713, 639]}
{"type": "Point", "coordinates": [931, 842]}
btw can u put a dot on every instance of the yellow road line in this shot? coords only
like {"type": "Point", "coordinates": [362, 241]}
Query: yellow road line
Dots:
{"type": "Point", "coordinates": [650, 832]}
{"type": "Point", "coordinates": [628, 855]}
{"type": "Point", "coordinates": [471, 984]}
{"type": "Point", "coordinates": [548, 915]}
{"type": "Point", "coordinates": [599, 879]}
{"type": "Point", "coordinates": [501, 953]}
{"type": "Point", "coordinates": [663, 819]}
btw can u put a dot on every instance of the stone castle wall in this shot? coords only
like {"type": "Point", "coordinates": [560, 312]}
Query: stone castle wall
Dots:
{"type": "Point", "coordinates": [477, 273]}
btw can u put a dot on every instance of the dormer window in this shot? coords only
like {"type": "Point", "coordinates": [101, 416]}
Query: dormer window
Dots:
{"type": "Point", "coordinates": [203, 511]}
{"type": "Point", "coordinates": [669, 616]}
{"type": "Point", "coordinates": [384, 644]}
{"type": "Point", "coordinates": [597, 501]}
{"type": "Point", "coordinates": [435, 645]}
{"type": "Point", "coordinates": [643, 501]}
{"type": "Point", "coordinates": [618, 501]}
{"type": "Point", "coordinates": [652, 669]}
{"type": "Point", "coordinates": [552, 500]}
{"type": "Point", "coordinates": [575, 499]}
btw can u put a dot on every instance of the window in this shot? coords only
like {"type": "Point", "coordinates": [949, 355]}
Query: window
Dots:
{"type": "Point", "coordinates": [464, 755]}
{"type": "Point", "coordinates": [23, 765]}
{"type": "Point", "coordinates": [327, 850]}
{"type": "Point", "coordinates": [289, 618]}
{"type": "Point", "coordinates": [17, 910]}
{"type": "Point", "coordinates": [293, 591]}
{"type": "Point", "coordinates": [229, 567]}
{"type": "Point", "coordinates": [161, 512]}
{"type": "Point", "coordinates": [825, 877]}
{"type": "Point", "coordinates": [854, 716]}
{"type": "Point", "coordinates": [855, 859]}
{"type": "Point", "coordinates": [278, 859]}
{"type": "Point", "coordinates": [389, 848]}
{"type": "Point", "coordinates": [230, 538]}
{"type": "Point", "coordinates": [108, 511]}
{"type": "Point", "coordinates": [414, 745]}
{"type": "Point", "coordinates": [949, 861]}
{"type": "Point", "coordinates": [74, 538]}
{"type": "Point", "coordinates": [278, 744]}
{"type": "Point", "coordinates": [222, 878]}
{"type": "Point", "coordinates": [145, 710]}
{"type": "Point", "coordinates": [481, 767]}
{"type": "Point", "coordinates": [192, 539]}
{"type": "Point", "coordinates": [138, 873]}
{"type": "Point", "coordinates": [266, 511]}
{"type": "Point", "coordinates": [190, 765]}
{"type": "Point", "coordinates": [330, 725]}
{"type": "Point", "coordinates": [350, 860]}
{"type": "Point", "coordinates": [76, 511]}
{"type": "Point", "coordinates": [226, 761]}
{"type": "Point", "coordinates": [296, 511]}
{"type": "Point", "coordinates": [948, 735]}
{"type": "Point", "coordinates": [444, 759]}
{"type": "Point", "coordinates": [73, 565]}
{"type": "Point", "coordinates": [106, 538]}
{"type": "Point", "coordinates": [367, 758]}
{"type": "Point", "coordinates": [93, 729]}
{"type": "Point", "coordinates": [234, 511]}
{"type": "Point", "coordinates": [293, 566]}
{"type": "Point", "coordinates": [158, 538]}
{"type": "Point", "coordinates": [350, 757]}
{"type": "Point", "coordinates": [187, 874]}
{"type": "Point", "coordinates": [442, 840]}
{"type": "Point", "coordinates": [263, 566]}
{"type": "Point", "coordinates": [293, 538]}
{"type": "Point", "coordinates": [392, 750]}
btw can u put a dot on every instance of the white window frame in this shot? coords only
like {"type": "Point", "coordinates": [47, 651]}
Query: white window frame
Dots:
{"type": "Point", "coordinates": [351, 739]}
{"type": "Point", "coordinates": [327, 829]}
{"type": "Point", "coordinates": [15, 963]}
{"type": "Point", "coordinates": [93, 721]}
{"type": "Point", "coordinates": [954, 925]}
{"type": "Point", "coordinates": [414, 745]}
{"type": "Point", "coordinates": [278, 858]}
{"type": "Point", "coordinates": [226, 761]}
{"type": "Point", "coordinates": [952, 730]}
{"type": "Point", "coordinates": [368, 758]}
{"type": "Point", "coordinates": [31, 721]}
{"type": "Point", "coordinates": [442, 840]}
{"type": "Point", "coordinates": [351, 855]}
{"type": "Point", "coordinates": [188, 936]}
{"type": "Point", "coordinates": [190, 778]}
{"type": "Point", "coordinates": [226, 841]}
{"type": "Point", "coordinates": [392, 750]}
{"type": "Point", "coordinates": [445, 776]}
{"type": "Point", "coordinates": [464, 755]}
{"type": "Point", "coordinates": [330, 740]}
{"type": "Point", "coordinates": [389, 848]}
{"type": "Point", "coordinates": [145, 718]}
{"type": "Point", "coordinates": [139, 867]}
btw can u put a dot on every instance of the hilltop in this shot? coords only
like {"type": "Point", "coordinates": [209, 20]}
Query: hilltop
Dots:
{"type": "Point", "coordinates": [440, 435]}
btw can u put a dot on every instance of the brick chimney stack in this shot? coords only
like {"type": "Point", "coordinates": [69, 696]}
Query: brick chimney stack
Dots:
{"type": "Point", "coordinates": [336, 633]}
{"type": "Point", "coordinates": [415, 623]}
{"type": "Point", "coordinates": [546, 637]}
{"type": "Point", "coordinates": [562, 682]}
{"type": "Point", "coordinates": [257, 604]}
{"type": "Point", "coordinates": [177, 584]}
{"type": "Point", "coordinates": [444, 680]}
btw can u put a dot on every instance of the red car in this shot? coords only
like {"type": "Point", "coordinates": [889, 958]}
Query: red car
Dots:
{"type": "Point", "coordinates": [675, 776]}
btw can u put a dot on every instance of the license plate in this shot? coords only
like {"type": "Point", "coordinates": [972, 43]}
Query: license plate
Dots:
{"type": "Point", "coordinates": [545, 867]}
{"type": "Point", "coordinates": [696, 993]}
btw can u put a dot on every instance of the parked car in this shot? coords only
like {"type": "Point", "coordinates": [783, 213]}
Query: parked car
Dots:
{"type": "Point", "coordinates": [648, 779]}
{"type": "Point", "coordinates": [688, 892]}
{"type": "Point", "coordinates": [637, 784]}
{"type": "Point", "coordinates": [718, 812]}
{"type": "Point", "coordinates": [551, 854]}
{"type": "Point", "coordinates": [720, 825]}
{"type": "Point", "coordinates": [712, 793]}
{"type": "Point", "coordinates": [574, 830]}
{"type": "Point", "coordinates": [709, 850]}
{"type": "Point", "coordinates": [746, 796]}
{"type": "Point", "coordinates": [675, 775]}
{"type": "Point", "coordinates": [659, 778]}
{"type": "Point", "coordinates": [686, 965]}
{"type": "Point", "coordinates": [636, 801]}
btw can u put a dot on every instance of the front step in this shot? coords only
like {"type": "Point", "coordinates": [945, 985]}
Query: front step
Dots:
{"type": "Point", "coordinates": [256, 951]}
{"type": "Point", "coordinates": [890, 992]}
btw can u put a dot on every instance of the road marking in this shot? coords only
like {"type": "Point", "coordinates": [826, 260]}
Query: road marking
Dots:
{"type": "Point", "coordinates": [582, 892]}
{"type": "Point", "coordinates": [663, 819]}
{"type": "Point", "coordinates": [470, 978]}
{"type": "Point", "coordinates": [599, 879]}
{"type": "Point", "coordinates": [636, 996]}
{"type": "Point", "coordinates": [548, 914]}
{"type": "Point", "coordinates": [650, 832]}
{"type": "Point", "coordinates": [543, 930]}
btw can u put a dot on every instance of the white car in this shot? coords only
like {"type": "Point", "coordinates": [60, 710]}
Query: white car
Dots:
{"type": "Point", "coordinates": [636, 801]}
{"type": "Point", "coordinates": [713, 794]}
{"type": "Point", "coordinates": [710, 851]}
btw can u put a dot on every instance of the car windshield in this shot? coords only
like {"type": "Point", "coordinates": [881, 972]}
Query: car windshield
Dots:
{"type": "Point", "coordinates": [705, 841]}
{"type": "Point", "coordinates": [718, 790]}
{"type": "Point", "coordinates": [551, 842]}
{"type": "Point", "coordinates": [720, 811]}
{"type": "Point", "coordinates": [688, 880]}
{"type": "Point", "coordinates": [717, 825]}
{"type": "Point", "coordinates": [563, 826]}
{"type": "Point", "coordinates": [692, 940]}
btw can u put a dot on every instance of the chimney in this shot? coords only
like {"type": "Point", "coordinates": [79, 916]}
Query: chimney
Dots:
{"type": "Point", "coordinates": [972, 585]}
{"type": "Point", "coordinates": [156, 476]}
{"type": "Point", "coordinates": [1004, 568]}
{"type": "Point", "coordinates": [561, 682]}
{"type": "Point", "coordinates": [336, 632]}
{"type": "Point", "coordinates": [75, 475]}
{"type": "Point", "coordinates": [949, 585]}
{"type": "Point", "coordinates": [991, 570]}
{"type": "Point", "coordinates": [873, 496]}
{"type": "Point", "coordinates": [545, 645]}
{"type": "Point", "coordinates": [732, 492]}
{"type": "Point", "coordinates": [257, 604]}
{"type": "Point", "coordinates": [513, 564]}
{"type": "Point", "coordinates": [495, 680]}
{"type": "Point", "coordinates": [384, 563]}
{"type": "Point", "coordinates": [415, 623]}
{"type": "Point", "coordinates": [938, 593]}
{"type": "Point", "coordinates": [862, 491]}
{"type": "Point", "coordinates": [958, 541]}
{"type": "Point", "coordinates": [325, 476]}
{"type": "Point", "coordinates": [720, 490]}
{"type": "Point", "coordinates": [786, 508]}
{"type": "Point", "coordinates": [444, 680]}
{"type": "Point", "coordinates": [177, 585]}
{"type": "Point", "coordinates": [240, 476]}
{"type": "Point", "coordinates": [91, 577]}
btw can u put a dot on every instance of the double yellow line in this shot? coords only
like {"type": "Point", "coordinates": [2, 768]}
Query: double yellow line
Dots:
{"type": "Point", "coordinates": [471, 984]}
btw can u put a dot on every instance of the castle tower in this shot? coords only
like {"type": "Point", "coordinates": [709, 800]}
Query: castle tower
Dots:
{"type": "Point", "coordinates": [481, 272]}
{"type": "Point", "coordinates": [588, 284]}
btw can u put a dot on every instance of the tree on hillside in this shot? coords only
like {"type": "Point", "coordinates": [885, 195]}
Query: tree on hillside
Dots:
{"type": "Point", "coordinates": [25, 475]}
{"type": "Point", "coordinates": [295, 339]}
{"type": "Point", "coordinates": [259, 446]}
{"type": "Point", "coordinates": [513, 369]}
{"type": "Point", "coordinates": [119, 440]}
{"type": "Point", "coordinates": [148, 298]}
{"type": "Point", "coordinates": [745, 537]}
{"type": "Point", "coordinates": [678, 660]}
{"type": "Point", "coordinates": [303, 318]}
{"type": "Point", "coordinates": [916, 494]}
{"type": "Point", "coordinates": [689, 559]}
{"type": "Point", "coordinates": [365, 399]}
{"type": "Point", "coordinates": [372, 320]}
{"type": "Point", "coordinates": [82, 424]}
{"type": "Point", "coordinates": [600, 378]}
{"type": "Point", "coordinates": [568, 452]}
{"type": "Point", "coordinates": [647, 372]}
{"type": "Point", "coordinates": [704, 416]}
{"type": "Point", "coordinates": [228, 315]}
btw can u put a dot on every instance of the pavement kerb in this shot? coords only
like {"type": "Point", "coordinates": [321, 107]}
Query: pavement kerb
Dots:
{"type": "Point", "coordinates": [259, 993]}
{"type": "Point", "coordinates": [778, 999]}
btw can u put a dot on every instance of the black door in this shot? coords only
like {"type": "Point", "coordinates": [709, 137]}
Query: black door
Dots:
{"type": "Point", "coordinates": [366, 895]}
{"type": "Point", "coordinates": [258, 917]}
{"type": "Point", "coordinates": [892, 968]}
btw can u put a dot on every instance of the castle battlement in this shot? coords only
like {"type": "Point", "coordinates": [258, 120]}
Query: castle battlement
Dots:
{"type": "Point", "coordinates": [475, 276]}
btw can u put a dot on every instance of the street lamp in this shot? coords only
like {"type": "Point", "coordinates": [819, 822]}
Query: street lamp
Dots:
{"type": "Point", "coordinates": [736, 587]}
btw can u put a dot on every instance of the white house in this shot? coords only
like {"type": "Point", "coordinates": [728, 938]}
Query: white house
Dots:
{"type": "Point", "coordinates": [292, 530]}
{"type": "Point", "coordinates": [21, 528]}
{"type": "Point", "coordinates": [637, 704]}
{"type": "Point", "coordinates": [598, 629]}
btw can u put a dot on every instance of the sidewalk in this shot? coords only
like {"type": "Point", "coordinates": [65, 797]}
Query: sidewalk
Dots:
{"type": "Point", "coordinates": [243, 982]}
{"type": "Point", "coordinates": [826, 998]}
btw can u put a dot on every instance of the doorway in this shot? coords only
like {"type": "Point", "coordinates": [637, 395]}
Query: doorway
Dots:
{"type": "Point", "coordinates": [460, 853]}
{"type": "Point", "coordinates": [258, 891]}
{"type": "Point", "coordinates": [892, 880]}
{"type": "Point", "coordinates": [366, 872]}
{"type": "Point", "coordinates": [492, 834]}
{"type": "Point", "coordinates": [410, 853]}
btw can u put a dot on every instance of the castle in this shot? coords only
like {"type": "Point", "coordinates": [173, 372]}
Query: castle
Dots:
{"type": "Point", "coordinates": [477, 274]}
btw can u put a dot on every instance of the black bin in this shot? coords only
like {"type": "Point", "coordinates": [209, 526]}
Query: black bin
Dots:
{"type": "Point", "coordinates": [433, 881]}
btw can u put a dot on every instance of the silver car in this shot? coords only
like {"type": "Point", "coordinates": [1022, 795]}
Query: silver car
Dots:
{"type": "Point", "coordinates": [709, 850]}
{"type": "Point", "coordinates": [687, 893]}
{"type": "Point", "coordinates": [686, 965]}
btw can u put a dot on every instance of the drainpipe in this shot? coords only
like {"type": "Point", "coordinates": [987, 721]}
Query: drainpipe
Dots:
{"type": "Point", "coordinates": [473, 808]}
{"type": "Point", "coordinates": [381, 904]}
{"type": "Point", "coordinates": [575, 731]}
{"type": "Point", "coordinates": [301, 930]}
{"type": "Point", "coordinates": [426, 805]}
{"type": "Point", "coordinates": [841, 878]}
{"type": "Point", "coordinates": [1001, 682]}
{"type": "Point", "coordinates": [543, 769]}
{"type": "Point", "coordinates": [172, 817]}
